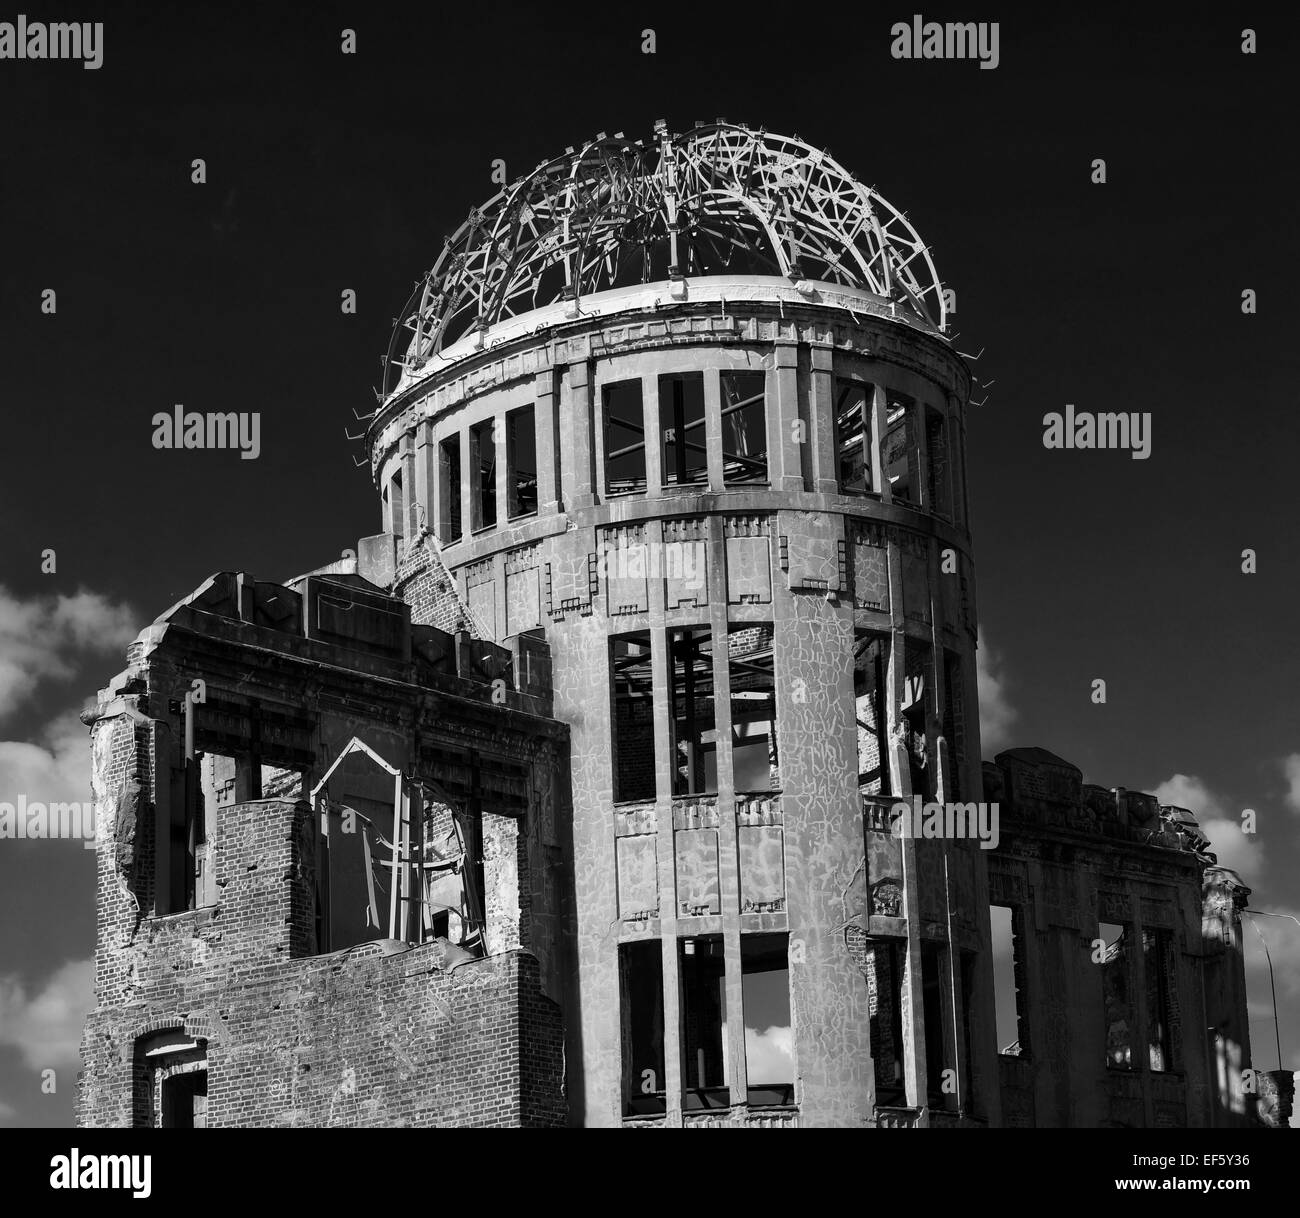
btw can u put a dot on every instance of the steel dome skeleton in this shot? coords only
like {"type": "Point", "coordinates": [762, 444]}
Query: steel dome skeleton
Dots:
{"type": "Point", "coordinates": [719, 199]}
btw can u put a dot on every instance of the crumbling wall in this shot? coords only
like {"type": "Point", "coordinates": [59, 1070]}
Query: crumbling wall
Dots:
{"type": "Point", "coordinates": [1074, 856]}
{"type": "Point", "coordinates": [423, 582]}
{"type": "Point", "coordinates": [293, 1037]}
{"type": "Point", "coordinates": [351, 1039]}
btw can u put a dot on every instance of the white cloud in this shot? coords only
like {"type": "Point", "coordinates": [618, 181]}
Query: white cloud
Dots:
{"type": "Point", "coordinates": [56, 770]}
{"type": "Point", "coordinates": [46, 1027]}
{"type": "Point", "coordinates": [996, 713]}
{"type": "Point", "coordinates": [769, 1055]}
{"type": "Point", "coordinates": [1231, 846]}
{"type": "Point", "coordinates": [1291, 768]}
{"type": "Point", "coordinates": [1188, 791]}
{"type": "Point", "coordinates": [40, 636]}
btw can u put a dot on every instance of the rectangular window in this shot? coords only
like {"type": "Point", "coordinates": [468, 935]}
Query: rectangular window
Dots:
{"type": "Point", "coordinates": [885, 966]}
{"type": "Point", "coordinates": [755, 766]}
{"type": "Point", "coordinates": [185, 1100]}
{"type": "Point", "coordinates": [1009, 980]}
{"type": "Point", "coordinates": [397, 506]}
{"type": "Point", "coordinates": [853, 407]}
{"type": "Point", "coordinates": [641, 1001]}
{"type": "Point", "coordinates": [705, 1070]}
{"type": "Point", "coordinates": [695, 740]}
{"type": "Point", "coordinates": [870, 666]}
{"type": "Point", "coordinates": [179, 827]}
{"type": "Point", "coordinates": [1116, 999]}
{"type": "Point", "coordinates": [744, 427]}
{"type": "Point", "coordinates": [521, 461]}
{"type": "Point", "coordinates": [917, 710]}
{"type": "Point", "coordinates": [899, 456]}
{"type": "Point", "coordinates": [624, 422]}
{"type": "Point", "coordinates": [939, 476]}
{"type": "Point", "coordinates": [936, 1051]}
{"type": "Point", "coordinates": [1159, 961]}
{"type": "Point", "coordinates": [765, 992]}
{"type": "Point", "coordinates": [483, 450]}
{"type": "Point", "coordinates": [449, 527]}
{"type": "Point", "coordinates": [633, 719]}
{"type": "Point", "coordinates": [681, 426]}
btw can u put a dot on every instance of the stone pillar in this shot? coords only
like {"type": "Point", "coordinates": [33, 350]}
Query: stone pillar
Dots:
{"type": "Point", "coordinates": [425, 506]}
{"type": "Point", "coordinates": [548, 458]}
{"type": "Point", "coordinates": [783, 399]}
{"type": "Point", "coordinates": [821, 422]}
{"type": "Point", "coordinates": [576, 436]}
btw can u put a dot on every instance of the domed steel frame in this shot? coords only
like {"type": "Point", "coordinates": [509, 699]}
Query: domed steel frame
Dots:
{"type": "Point", "coordinates": [720, 199]}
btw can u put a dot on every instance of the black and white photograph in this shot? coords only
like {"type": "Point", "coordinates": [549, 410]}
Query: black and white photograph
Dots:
{"type": "Point", "coordinates": [526, 603]}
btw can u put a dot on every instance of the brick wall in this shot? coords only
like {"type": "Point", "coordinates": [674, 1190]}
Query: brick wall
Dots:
{"type": "Point", "coordinates": [424, 583]}
{"type": "Point", "coordinates": [350, 1039]}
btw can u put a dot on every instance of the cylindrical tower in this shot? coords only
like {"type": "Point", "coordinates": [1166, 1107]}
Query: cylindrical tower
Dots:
{"type": "Point", "coordinates": [687, 409]}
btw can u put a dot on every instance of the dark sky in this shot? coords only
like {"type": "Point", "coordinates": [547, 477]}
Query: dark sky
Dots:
{"type": "Point", "coordinates": [327, 172]}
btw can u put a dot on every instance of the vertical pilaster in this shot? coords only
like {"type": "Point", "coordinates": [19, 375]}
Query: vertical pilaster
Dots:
{"type": "Point", "coordinates": [577, 436]}
{"type": "Point", "coordinates": [654, 453]}
{"type": "Point", "coordinates": [544, 417]}
{"type": "Point", "coordinates": [501, 466]}
{"type": "Point", "coordinates": [821, 421]}
{"type": "Point", "coordinates": [468, 483]}
{"type": "Point", "coordinates": [422, 493]}
{"type": "Point", "coordinates": [728, 850]}
{"type": "Point", "coordinates": [713, 427]}
{"type": "Point", "coordinates": [786, 426]}
{"type": "Point", "coordinates": [410, 524]}
{"type": "Point", "coordinates": [661, 677]}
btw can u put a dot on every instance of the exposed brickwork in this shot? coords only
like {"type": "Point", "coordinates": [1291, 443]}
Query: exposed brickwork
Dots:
{"type": "Point", "coordinates": [425, 584]}
{"type": "Point", "coordinates": [225, 1011]}
{"type": "Point", "coordinates": [354, 1039]}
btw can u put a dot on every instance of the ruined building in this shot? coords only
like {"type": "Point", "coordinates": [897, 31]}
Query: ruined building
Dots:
{"type": "Point", "coordinates": [570, 797]}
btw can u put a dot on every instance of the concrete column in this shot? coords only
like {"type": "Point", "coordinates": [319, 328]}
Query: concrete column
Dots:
{"type": "Point", "coordinates": [713, 426]}
{"type": "Point", "coordinates": [501, 447]}
{"type": "Point", "coordinates": [410, 509]}
{"type": "Point", "coordinates": [921, 449]}
{"type": "Point", "coordinates": [728, 849]}
{"type": "Point", "coordinates": [821, 422]}
{"type": "Point", "coordinates": [468, 484]}
{"type": "Point", "coordinates": [661, 680]}
{"type": "Point", "coordinates": [879, 426]}
{"type": "Point", "coordinates": [577, 436]}
{"type": "Point", "coordinates": [654, 453]}
{"type": "Point", "coordinates": [544, 416]}
{"type": "Point", "coordinates": [423, 500]}
{"type": "Point", "coordinates": [499, 598]}
{"type": "Point", "coordinates": [914, 1071]}
{"type": "Point", "coordinates": [783, 410]}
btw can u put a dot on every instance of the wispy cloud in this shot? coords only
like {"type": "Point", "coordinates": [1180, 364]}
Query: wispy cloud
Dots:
{"type": "Point", "coordinates": [1291, 770]}
{"type": "Point", "coordinates": [1218, 822]}
{"type": "Point", "coordinates": [45, 1027]}
{"type": "Point", "coordinates": [997, 715]}
{"type": "Point", "coordinates": [55, 770]}
{"type": "Point", "coordinates": [769, 1054]}
{"type": "Point", "coordinates": [41, 636]}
